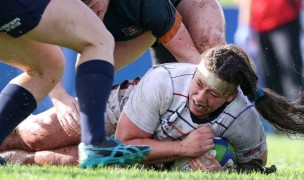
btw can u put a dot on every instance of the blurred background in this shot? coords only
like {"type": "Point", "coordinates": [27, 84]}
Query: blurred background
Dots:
{"type": "Point", "coordinates": [137, 68]}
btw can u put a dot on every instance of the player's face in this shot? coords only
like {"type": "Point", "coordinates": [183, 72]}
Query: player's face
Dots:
{"type": "Point", "coordinates": [203, 99]}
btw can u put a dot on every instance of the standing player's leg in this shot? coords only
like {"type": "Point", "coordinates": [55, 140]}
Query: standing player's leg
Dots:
{"type": "Point", "coordinates": [94, 78]}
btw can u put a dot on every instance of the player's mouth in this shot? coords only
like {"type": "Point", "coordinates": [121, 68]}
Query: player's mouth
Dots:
{"type": "Point", "coordinates": [197, 105]}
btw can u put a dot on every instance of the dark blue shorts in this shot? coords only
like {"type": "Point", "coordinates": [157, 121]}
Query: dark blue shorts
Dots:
{"type": "Point", "coordinates": [127, 19]}
{"type": "Point", "coordinates": [18, 17]}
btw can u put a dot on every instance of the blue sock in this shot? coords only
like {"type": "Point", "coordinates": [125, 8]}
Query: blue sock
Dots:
{"type": "Point", "coordinates": [16, 104]}
{"type": "Point", "coordinates": [94, 81]}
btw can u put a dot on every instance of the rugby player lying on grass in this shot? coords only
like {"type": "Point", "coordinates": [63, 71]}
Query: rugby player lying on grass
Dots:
{"type": "Point", "coordinates": [177, 109]}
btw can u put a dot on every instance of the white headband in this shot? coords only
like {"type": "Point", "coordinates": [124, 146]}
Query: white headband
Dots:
{"type": "Point", "coordinates": [214, 81]}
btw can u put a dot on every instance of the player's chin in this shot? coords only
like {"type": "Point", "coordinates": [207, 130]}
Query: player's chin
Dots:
{"type": "Point", "coordinates": [197, 112]}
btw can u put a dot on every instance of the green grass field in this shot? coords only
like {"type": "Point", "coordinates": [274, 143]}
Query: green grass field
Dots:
{"type": "Point", "coordinates": [285, 153]}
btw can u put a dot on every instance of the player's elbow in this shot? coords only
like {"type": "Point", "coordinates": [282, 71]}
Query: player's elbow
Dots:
{"type": "Point", "coordinates": [209, 40]}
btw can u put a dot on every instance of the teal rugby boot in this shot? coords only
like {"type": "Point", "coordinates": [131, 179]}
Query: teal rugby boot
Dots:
{"type": "Point", "coordinates": [111, 152]}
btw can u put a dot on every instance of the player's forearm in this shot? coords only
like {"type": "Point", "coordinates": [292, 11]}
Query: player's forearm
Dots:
{"type": "Point", "coordinates": [183, 47]}
{"type": "Point", "coordinates": [57, 93]}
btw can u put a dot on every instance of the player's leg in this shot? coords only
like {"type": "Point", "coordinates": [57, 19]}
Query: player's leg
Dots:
{"type": "Point", "coordinates": [94, 72]}
{"type": "Point", "coordinates": [40, 139]}
{"type": "Point", "coordinates": [96, 47]}
{"type": "Point", "coordinates": [83, 32]}
{"type": "Point", "coordinates": [270, 64]}
{"type": "Point", "coordinates": [29, 142]}
{"type": "Point", "coordinates": [39, 132]}
{"type": "Point", "coordinates": [288, 53]}
{"type": "Point", "coordinates": [20, 97]}
{"type": "Point", "coordinates": [43, 131]}
{"type": "Point", "coordinates": [62, 156]}
{"type": "Point", "coordinates": [43, 64]}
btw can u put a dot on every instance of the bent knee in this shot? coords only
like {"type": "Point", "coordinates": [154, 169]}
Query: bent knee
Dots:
{"type": "Point", "coordinates": [50, 68]}
{"type": "Point", "coordinates": [99, 40]}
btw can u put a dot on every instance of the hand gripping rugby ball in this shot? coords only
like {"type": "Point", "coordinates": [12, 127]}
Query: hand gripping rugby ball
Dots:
{"type": "Point", "coordinates": [223, 152]}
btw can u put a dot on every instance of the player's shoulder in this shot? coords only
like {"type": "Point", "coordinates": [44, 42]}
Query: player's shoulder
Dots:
{"type": "Point", "coordinates": [165, 74]}
{"type": "Point", "coordinates": [175, 69]}
{"type": "Point", "coordinates": [242, 108]}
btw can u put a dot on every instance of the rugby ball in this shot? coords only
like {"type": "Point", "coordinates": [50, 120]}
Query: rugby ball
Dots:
{"type": "Point", "coordinates": [223, 152]}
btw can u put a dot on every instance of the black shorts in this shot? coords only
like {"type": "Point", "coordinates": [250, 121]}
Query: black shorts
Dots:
{"type": "Point", "coordinates": [18, 17]}
{"type": "Point", "coordinates": [127, 19]}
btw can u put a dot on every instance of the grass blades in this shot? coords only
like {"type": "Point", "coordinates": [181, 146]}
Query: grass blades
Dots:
{"type": "Point", "coordinates": [285, 153]}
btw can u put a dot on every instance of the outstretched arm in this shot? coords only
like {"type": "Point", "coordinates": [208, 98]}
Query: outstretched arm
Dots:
{"type": "Point", "coordinates": [198, 142]}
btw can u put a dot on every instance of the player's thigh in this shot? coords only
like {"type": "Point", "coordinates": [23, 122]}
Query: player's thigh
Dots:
{"type": "Point", "coordinates": [128, 51]}
{"type": "Point", "coordinates": [43, 131]}
{"type": "Point", "coordinates": [32, 56]}
{"type": "Point", "coordinates": [205, 22]}
{"type": "Point", "coordinates": [72, 24]}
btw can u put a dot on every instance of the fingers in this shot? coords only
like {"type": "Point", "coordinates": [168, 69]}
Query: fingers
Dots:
{"type": "Point", "coordinates": [199, 165]}
{"type": "Point", "coordinates": [205, 132]}
{"type": "Point", "coordinates": [73, 125]}
{"type": "Point", "coordinates": [76, 116]}
{"type": "Point", "coordinates": [70, 119]}
{"type": "Point", "coordinates": [64, 122]}
{"type": "Point", "coordinates": [198, 142]}
{"type": "Point", "coordinates": [206, 163]}
{"type": "Point", "coordinates": [205, 129]}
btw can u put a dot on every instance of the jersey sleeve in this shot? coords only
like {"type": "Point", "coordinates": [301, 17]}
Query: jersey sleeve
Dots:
{"type": "Point", "coordinates": [151, 97]}
{"type": "Point", "coordinates": [248, 137]}
{"type": "Point", "coordinates": [161, 18]}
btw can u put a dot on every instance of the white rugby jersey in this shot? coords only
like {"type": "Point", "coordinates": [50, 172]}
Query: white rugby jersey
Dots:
{"type": "Point", "coordinates": [159, 105]}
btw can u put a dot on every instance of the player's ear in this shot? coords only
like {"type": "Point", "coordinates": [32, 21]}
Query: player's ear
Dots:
{"type": "Point", "coordinates": [231, 96]}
